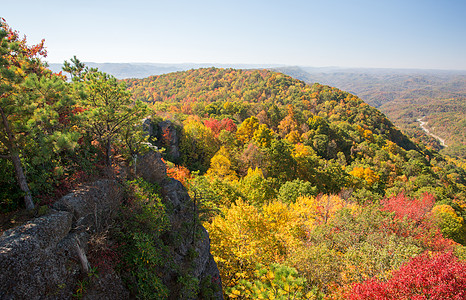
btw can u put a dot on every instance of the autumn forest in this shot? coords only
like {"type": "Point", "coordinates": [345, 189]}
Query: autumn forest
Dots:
{"type": "Point", "coordinates": [306, 191]}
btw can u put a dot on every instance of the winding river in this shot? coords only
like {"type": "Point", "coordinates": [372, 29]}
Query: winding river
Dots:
{"type": "Point", "coordinates": [422, 124]}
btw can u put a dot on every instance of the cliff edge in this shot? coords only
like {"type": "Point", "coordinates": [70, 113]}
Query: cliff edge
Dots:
{"type": "Point", "coordinates": [46, 258]}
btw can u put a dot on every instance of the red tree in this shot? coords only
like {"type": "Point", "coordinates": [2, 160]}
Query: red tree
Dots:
{"type": "Point", "coordinates": [413, 217]}
{"type": "Point", "coordinates": [217, 126]}
{"type": "Point", "coordinates": [414, 209]}
{"type": "Point", "coordinates": [439, 277]}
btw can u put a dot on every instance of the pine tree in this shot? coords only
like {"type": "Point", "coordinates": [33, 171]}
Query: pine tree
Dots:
{"type": "Point", "coordinates": [109, 110]}
{"type": "Point", "coordinates": [17, 62]}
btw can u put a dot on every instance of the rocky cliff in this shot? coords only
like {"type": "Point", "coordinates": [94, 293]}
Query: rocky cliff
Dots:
{"type": "Point", "coordinates": [185, 229]}
{"type": "Point", "coordinates": [164, 134]}
{"type": "Point", "coordinates": [46, 258]}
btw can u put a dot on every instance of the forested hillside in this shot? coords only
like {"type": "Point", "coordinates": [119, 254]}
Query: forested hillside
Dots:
{"type": "Point", "coordinates": [307, 190]}
{"type": "Point", "coordinates": [405, 96]}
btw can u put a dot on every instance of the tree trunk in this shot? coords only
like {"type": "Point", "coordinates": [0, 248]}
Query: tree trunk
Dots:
{"type": "Point", "coordinates": [23, 184]}
{"type": "Point", "coordinates": [14, 156]}
{"type": "Point", "coordinates": [109, 153]}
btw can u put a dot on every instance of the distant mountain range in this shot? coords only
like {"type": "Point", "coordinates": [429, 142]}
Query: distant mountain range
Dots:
{"type": "Point", "coordinates": [379, 86]}
{"type": "Point", "coordinates": [142, 70]}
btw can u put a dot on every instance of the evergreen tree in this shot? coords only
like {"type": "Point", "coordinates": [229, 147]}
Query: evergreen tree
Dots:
{"type": "Point", "coordinates": [109, 110]}
{"type": "Point", "coordinates": [17, 62]}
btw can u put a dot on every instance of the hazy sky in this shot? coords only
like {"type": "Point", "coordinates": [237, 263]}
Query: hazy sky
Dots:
{"type": "Point", "coordinates": [347, 33]}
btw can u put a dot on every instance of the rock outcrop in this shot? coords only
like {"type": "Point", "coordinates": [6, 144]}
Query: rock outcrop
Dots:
{"type": "Point", "coordinates": [186, 230]}
{"type": "Point", "coordinates": [165, 135]}
{"type": "Point", "coordinates": [46, 257]}
{"type": "Point", "coordinates": [41, 259]}
{"type": "Point", "coordinates": [151, 167]}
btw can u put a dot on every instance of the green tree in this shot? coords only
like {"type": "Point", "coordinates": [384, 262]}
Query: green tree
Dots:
{"type": "Point", "coordinates": [275, 281]}
{"type": "Point", "coordinates": [198, 145]}
{"type": "Point", "coordinates": [256, 187]}
{"type": "Point", "coordinates": [291, 190]}
{"type": "Point", "coordinates": [75, 67]}
{"type": "Point", "coordinates": [17, 62]}
{"type": "Point", "coordinates": [281, 163]}
{"type": "Point", "coordinates": [450, 223]}
{"type": "Point", "coordinates": [109, 109]}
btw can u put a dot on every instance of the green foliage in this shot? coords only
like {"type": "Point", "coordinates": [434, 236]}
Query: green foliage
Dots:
{"type": "Point", "coordinates": [257, 189]}
{"type": "Point", "coordinates": [291, 190]}
{"type": "Point", "coordinates": [318, 263]}
{"type": "Point", "coordinates": [272, 282]}
{"type": "Point", "coordinates": [144, 261]}
{"type": "Point", "coordinates": [110, 112]}
{"type": "Point", "coordinates": [197, 145]}
{"type": "Point", "coordinates": [281, 163]}
{"type": "Point", "coordinates": [33, 109]}
{"type": "Point", "coordinates": [189, 287]}
{"type": "Point", "coordinates": [209, 287]}
{"type": "Point", "coordinates": [52, 129]}
{"type": "Point", "coordinates": [10, 193]}
{"type": "Point", "coordinates": [141, 226]}
{"type": "Point", "coordinates": [83, 284]}
{"type": "Point", "coordinates": [212, 194]}
{"type": "Point", "coordinates": [450, 223]}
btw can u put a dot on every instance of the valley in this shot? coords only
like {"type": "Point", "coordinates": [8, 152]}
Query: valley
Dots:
{"type": "Point", "coordinates": [423, 126]}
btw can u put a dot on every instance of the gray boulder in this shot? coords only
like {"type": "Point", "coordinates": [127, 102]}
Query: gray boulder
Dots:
{"type": "Point", "coordinates": [168, 137]}
{"type": "Point", "coordinates": [41, 259]}
{"type": "Point", "coordinates": [150, 167]}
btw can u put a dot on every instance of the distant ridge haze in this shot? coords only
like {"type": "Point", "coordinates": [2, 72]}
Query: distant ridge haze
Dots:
{"type": "Point", "coordinates": [142, 70]}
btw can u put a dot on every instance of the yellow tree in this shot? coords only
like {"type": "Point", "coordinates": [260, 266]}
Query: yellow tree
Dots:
{"type": "Point", "coordinates": [263, 136]}
{"type": "Point", "coordinates": [243, 237]}
{"type": "Point", "coordinates": [246, 130]}
{"type": "Point", "coordinates": [367, 174]}
{"type": "Point", "coordinates": [317, 210]}
{"type": "Point", "coordinates": [220, 165]}
{"type": "Point", "coordinates": [451, 225]}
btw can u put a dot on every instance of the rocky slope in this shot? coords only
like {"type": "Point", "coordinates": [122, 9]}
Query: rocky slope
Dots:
{"type": "Point", "coordinates": [186, 230]}
{"type": "Point", "coordinates": [46, 257]}
{"type": "Point", "coordinates": [41, 259]}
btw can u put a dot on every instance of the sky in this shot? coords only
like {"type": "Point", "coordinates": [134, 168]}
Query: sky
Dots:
{"type": "Point", "coordinates": [421, 34]}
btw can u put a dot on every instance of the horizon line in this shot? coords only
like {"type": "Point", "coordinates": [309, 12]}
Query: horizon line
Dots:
{"type": "Point", "coordinates": [273, 65]}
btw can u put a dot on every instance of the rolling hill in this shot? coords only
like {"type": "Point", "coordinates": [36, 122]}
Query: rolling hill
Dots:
{"type": "Point", "coordinates": [405, 96]}
{"type": "Point", "coordinates": [305, 183]}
